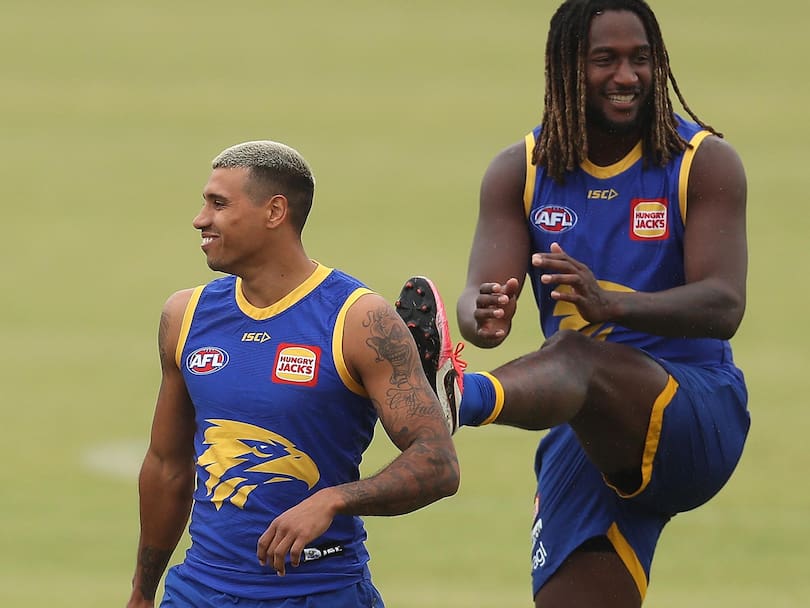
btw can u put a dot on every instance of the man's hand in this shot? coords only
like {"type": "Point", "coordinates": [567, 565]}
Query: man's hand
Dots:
{"type": "Point", "coordinates": [495, 307]}
{"type": "Point", "coordinates": [294, 529]}
{"type": "Point", "coordinates": [576, 284]}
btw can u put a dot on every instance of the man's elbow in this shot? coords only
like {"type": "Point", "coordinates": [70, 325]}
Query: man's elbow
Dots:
{"type": "Point", "coordinates": [728, 320]}
{"type": "Point", "coordinates": [451, 478]}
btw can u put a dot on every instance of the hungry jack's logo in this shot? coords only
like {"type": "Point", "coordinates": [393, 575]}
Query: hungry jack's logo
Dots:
{"type": "Point", "coordinates": [648, 219]}
{"type": "Point", "coordinates": [297, 364]}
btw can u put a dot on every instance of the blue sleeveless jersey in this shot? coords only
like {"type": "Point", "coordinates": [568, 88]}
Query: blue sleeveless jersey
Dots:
{"type": "Point", "coordinates": [278, 418]}
{"type": "Point", "coordinates": [626, 223]}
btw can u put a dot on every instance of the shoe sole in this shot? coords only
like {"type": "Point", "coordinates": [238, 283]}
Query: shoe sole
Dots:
{"type": "Point", "coordinates": [417, 306]}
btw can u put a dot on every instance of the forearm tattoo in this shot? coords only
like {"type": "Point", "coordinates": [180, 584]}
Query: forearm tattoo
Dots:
{"type": "Point", "coordinates": [153, 562]}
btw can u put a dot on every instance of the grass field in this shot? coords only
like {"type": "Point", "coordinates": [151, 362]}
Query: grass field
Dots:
{"type": "Point", "coordinates": [111, 113]}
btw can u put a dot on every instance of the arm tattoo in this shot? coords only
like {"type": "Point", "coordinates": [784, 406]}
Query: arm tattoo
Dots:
{"type": "Point", "coordinates": [389, 341]}
{"type": "Point", "coordinates": [392, 343]}
{"type": "Point", "coordinates": [427, 469]}
{"type": "Point", "coordinates": [163, 331]}
{"type": "Point", "coordinates": [153, 563]}
{"type": "Point", "coordinates": [405, 484]}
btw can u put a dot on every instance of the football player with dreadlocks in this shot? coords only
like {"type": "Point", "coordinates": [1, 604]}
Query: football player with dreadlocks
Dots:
{"type": "Point", "coordinates": [629, 221]}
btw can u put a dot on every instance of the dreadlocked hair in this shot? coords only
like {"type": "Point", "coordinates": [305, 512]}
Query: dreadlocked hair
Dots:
{"type": "Point", "coordinates": [563, 142]}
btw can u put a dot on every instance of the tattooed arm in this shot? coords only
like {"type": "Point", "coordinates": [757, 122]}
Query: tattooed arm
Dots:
{"type": "Point", "coordinates": [380, 353]}
{"type": "Point", "coordinates": [166, 479]}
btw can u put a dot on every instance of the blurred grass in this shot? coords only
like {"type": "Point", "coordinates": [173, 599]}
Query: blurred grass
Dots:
{"type": "Point", "coordinates": [111, 113]}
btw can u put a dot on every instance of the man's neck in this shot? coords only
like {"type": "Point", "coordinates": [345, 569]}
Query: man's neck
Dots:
{"type": "Point", "coordinates": [265, 286]}
{"type": "Point", "coordinates": [606, 148]}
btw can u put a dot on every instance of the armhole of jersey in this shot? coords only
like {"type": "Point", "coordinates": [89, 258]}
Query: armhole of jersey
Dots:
{"type": "Point", "coordinates": [686, 165]}
{"type": "Point", "coordinates": [337, 343]}
{"type": "Point", "coordinates": [531, 175]}
{"type": "Point", "coordinates": [188, 315]}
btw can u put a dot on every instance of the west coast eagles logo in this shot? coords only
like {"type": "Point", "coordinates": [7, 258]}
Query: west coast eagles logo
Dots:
{"type": "Point", "coordinates": [242, 456]}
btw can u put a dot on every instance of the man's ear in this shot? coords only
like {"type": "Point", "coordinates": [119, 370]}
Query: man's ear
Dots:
{"type": "Point", "coordinates": [277, 208]}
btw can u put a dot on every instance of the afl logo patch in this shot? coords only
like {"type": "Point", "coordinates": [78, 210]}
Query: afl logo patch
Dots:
{"type": "Point", "coordinates": [206, 360]}
{"type": "Point", "coordinates": [555, 219]}
{"type": "Point", "coordinates": [297, 364]}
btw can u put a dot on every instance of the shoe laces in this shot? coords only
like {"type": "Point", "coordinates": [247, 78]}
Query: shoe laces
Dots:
{"type": "Point", "coordinates": [459, 364]}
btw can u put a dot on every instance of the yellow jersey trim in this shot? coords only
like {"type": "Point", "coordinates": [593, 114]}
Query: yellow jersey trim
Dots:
{"type": "Point", "coordinates": [185, 325]}
{"type": "Point", "coordinates": [686, 166]}
{"type": "Point", "coordinates": [337, 343]}
{"type": "Point", "coordinates": [628, 556]}
{"type": "Point", "coordinates": [260, 314]}
{"type": "Point", "coordinates": [616, 168]}
{"type": "Point", "coordinates": [499, 398]}
{"type": "Point", "coordinates": [531, 175]}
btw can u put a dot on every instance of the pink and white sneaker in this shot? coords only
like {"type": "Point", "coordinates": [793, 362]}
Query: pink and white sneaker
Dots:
{"type": "Point", "coordinates": [422, 309]}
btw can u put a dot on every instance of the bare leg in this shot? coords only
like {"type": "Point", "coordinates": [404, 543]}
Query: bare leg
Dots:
{"type": "Point", "coordinates": [605, 391]}
{"type": "Point", "coordinates": [609, 584]}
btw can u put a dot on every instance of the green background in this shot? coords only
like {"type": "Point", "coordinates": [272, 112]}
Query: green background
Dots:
{"type": "Point", "coordinates": [111, 112]}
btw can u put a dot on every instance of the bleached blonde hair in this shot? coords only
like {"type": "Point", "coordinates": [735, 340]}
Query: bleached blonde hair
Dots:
{"type": "Point", "coordinates": [275, 168]}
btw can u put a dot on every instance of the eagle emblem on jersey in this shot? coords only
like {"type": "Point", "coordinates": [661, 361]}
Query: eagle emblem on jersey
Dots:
{"type": "Point", "coordinates": [243, 456]}
{"type": "Point", "coordinates": [573, 320]}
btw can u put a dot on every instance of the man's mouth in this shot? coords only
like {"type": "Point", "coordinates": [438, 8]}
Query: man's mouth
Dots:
{"type": "Point", "coordinates": [622, 98]}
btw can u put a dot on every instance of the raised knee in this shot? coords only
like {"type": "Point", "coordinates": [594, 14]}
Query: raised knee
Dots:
{"type": "Point", "coordinates": [567, 340]}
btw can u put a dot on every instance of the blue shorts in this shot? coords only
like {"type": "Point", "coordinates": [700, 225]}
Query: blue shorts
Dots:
{"type": "Point", "coordinates": [695, 438]}
{"type": "Point", "coordinates": [182, 592]}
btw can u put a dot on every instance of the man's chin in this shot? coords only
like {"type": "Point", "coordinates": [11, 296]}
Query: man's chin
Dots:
{"type": "Point", "coordinates": [214, 265]}
{"type": "Point", "coordinates": [626, 126]}
{"type": "Point", "coordinates": [620, 127]}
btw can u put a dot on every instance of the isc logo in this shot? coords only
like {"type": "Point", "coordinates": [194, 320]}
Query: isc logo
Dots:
{"type": "Point", "coordinates": [607, 195]}
{"type": "Point", "coordinates": [255, 336]}
{"type": "Point", "coordinates": [206, 360]}
{"type": "Point", "coordinates": [554, 219]}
